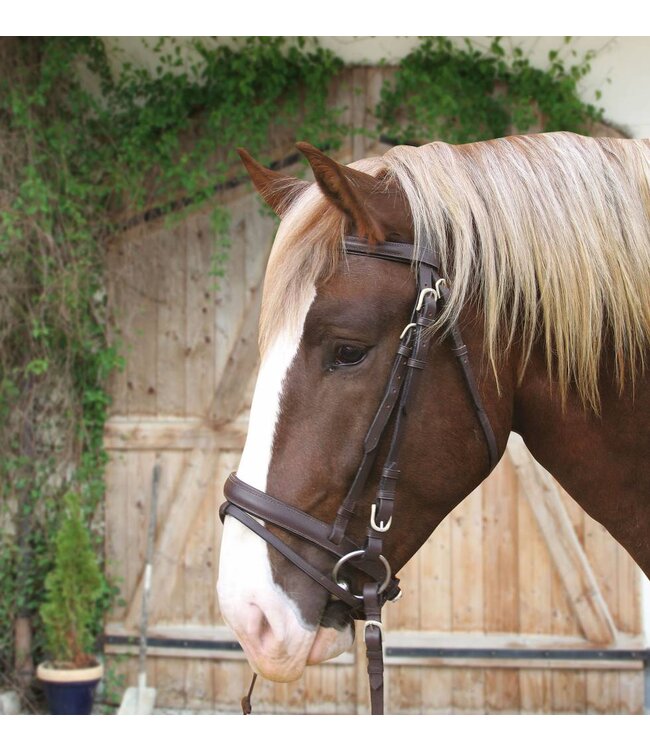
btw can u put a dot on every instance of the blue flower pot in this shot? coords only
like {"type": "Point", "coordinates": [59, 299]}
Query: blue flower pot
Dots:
{"type": "Point", "coordinates": [69, 691]}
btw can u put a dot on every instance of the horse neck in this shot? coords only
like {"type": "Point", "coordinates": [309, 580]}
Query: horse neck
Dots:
{"type": "Point", "coordinates": [601, 460]}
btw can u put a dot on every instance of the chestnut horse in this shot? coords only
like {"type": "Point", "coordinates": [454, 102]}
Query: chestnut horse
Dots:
{"type": "Point", "coordinates": [544, 241]}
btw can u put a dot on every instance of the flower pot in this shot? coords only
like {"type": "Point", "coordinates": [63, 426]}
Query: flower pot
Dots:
{"type": "Point", "coordinates": [69, 691]}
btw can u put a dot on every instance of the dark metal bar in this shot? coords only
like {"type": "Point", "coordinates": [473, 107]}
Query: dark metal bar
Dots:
{"type": "Point", "coordinates": [581, 654]}
{"type": "Point", "coordinates": [187, 643]}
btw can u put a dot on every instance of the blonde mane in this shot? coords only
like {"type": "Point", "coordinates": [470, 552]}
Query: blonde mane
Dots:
{"type": "Point", "coordinates": [549, 234]}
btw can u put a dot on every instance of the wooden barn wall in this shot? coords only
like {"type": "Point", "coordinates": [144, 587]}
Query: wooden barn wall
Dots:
{"type": "Point", "coordinates": [504, 571]}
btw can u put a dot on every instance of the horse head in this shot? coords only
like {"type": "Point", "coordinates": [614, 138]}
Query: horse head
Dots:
{"type": "Point", "coordinates": [330, 326]}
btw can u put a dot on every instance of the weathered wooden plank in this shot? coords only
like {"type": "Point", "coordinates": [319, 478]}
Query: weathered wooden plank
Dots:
{"type": "Point", "coordinates": [406, 689]}
{"type": "Point", "coordinates": [569, 690]}
{"type": "Point", "coordinates": [199, 320]}
{"type": "Point", "coordinates": [230, 681]}
{"type": "Point", "coordinates": [469, 691]}
{"type": "Point", "coordinates": [281, 696]}
{"type": "Point", "coordinates": [229, 395]}
{"type": "Point", "coordinates": [488, 640]}
{"type": "Point", "coordinates": [326, 701]}
{"type": "Point", "coordinates": [628, 591]}
{"type": "Point", "coordinates": [312, 687]}
{"type": "Point", "coordinates": [435, 579]}
{"type": "Point", "coordinates": [535, 575]}
{"type": "Point", "coordinates": [361, 674]}
{"type": "Point", "coordinates": [231, 297]}
{"type": "Point", "coordinates": [346, 690]}
{"type": "Point", "coordinates": [138, 467]}
{"type": "Point", "coordinates": [174, 526]}
{"type": "Point", "coordinates": [468, 685]}
{"type": "Point", "coordinates": [602, 551]}
{"type": "Point", "coordinates": [467, 563]}
{"type": "Point", "coordinates": [500, 550]}
{"type": "Point", "coordinates": [437, 690]}
{"type": "Point", "coordinates": [198, 586]}
{"type": "Point", "coordinates": [166, 604]}
{"type": "Point", "coordinates": [171, 434]}
{"type": "Point", "coordinates": [435, 613]}
{"type": "Point", "coordinates": [631, 693]}
{"type": "Point", "coordinates": [140, 472]}
{"type": "Point", "coordinates": [141, 301]}
{"type": "Point", "coordinates": [568, 556]}
{"type": "Point", "coordinates": [501, 577]}
{"type": "Point", "coordinates": [502, 694]}
{"type": "Point", "coordinates": [172, 347]}
{"type": "Point", "coordinates": [535, 690]}
{"type": "Point", "coordinates": [295, 701]}
{"type": "Point", "coordinates": [602, 692]}
{"type": "Point", "coordinates": [405, 612]}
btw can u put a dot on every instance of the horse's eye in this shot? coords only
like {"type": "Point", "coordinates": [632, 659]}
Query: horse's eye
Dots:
{"type": "Point", "coordinates": [347, 354]}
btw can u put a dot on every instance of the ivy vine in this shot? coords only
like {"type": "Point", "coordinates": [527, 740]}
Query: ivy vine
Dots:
{"type": "Point", "coordinates": [86, 147]}
{"type": "Point", "coordinates": [82, 149]}
{"type": "Point", "coordinates": [463, 94]}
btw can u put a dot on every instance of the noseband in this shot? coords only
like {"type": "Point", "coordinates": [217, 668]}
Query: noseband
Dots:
{"type": "Point", "coordinates": [246, 503]}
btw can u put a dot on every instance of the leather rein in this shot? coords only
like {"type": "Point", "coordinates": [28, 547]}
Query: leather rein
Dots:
{"type": "Point", "coordinates": [247, 504]}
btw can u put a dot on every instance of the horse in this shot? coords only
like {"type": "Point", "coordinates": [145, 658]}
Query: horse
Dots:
{"type": "Point", "coordinates": [526, 259]}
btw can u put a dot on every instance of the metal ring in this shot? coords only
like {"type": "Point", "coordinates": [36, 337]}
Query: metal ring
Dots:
{"type": "Point", "coordinates": [357, 553]}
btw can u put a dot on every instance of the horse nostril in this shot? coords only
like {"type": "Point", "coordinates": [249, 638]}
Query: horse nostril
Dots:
{"type": "Point", "coordinates": [259, 626]}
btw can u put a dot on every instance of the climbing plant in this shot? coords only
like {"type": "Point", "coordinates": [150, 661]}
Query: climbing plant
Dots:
{"type": "Point", "coordinates": [88, 145]}
{"type": "Point", "coordinates": [463, 93]}
{"type": "Point", "coordinates": [83, 149]}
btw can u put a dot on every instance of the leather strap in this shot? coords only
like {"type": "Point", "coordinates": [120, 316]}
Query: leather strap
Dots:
{"type": "Point", "coordinates": [321, 578]}
{"type": "Point", "coordinates": [243, 499]}
{"type": "Point", "coordinates": [372, 635]}
{"type": "Point", "coordinates": [401, 252]}
{"type": "Point", "coordinates": [460, 351]}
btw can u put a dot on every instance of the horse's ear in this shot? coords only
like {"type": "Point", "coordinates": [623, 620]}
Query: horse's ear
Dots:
{"type": "Point", "coordinates": [278, 190]}
{"type": "Point", "coordinates": [348, 189]}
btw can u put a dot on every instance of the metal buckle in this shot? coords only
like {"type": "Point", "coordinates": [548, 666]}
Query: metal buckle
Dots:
{"type": "Point", "coordinates": [423, 294]}
{"type": "Point", "coordinates": [382, 526]}
{"type": "Point", "coordinates": [357, 553]}
{"type": "Point", "coordinates": [376, 623]}
{"type": "Point", "coordinates": [408, 327]}
{"type": "Point", "coordinates": [429, 290]}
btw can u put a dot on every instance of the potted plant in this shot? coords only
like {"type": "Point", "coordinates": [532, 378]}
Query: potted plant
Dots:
{"type": "Point", "coordinates": [74, 588]}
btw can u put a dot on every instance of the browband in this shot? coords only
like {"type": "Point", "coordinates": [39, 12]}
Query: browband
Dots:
{"type": "Point", "coordinates": [401, 252]}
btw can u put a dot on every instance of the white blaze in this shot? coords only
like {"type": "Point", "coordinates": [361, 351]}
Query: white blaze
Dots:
{"type": "Point", "coordinates": [255, 607]}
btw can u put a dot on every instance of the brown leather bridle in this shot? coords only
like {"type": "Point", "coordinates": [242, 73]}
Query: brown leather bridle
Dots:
{"type": "Point", "coordinates": [246, 503]}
